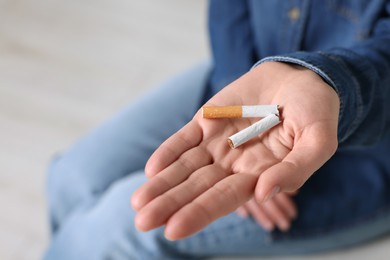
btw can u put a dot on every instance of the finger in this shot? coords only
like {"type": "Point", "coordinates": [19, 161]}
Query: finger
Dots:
{"type": "Point", "coordinates": [171, 176]}
{"type": "Point", "coordinates": [290, 174]}
{"type": "Point", "coordinates": [157, 212]}
{"type": "Point", "coordinates": [222, 199]}
{"type": "Point", "coordinates": [258, 214]}
{"type": "Point", "coordinates": [291, 193]}
{"type": "Point", "coordinates": [277, 215]}
{"type": "Point", "coordinates": [242, 211]}
{"type": "Point", "coordinates": [186, 138]}
{"type": "Point", "coordinates": [287, 205]}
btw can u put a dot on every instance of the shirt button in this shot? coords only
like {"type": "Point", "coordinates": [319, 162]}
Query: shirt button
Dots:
{"type": "Point", "coordinates": [294, 14]}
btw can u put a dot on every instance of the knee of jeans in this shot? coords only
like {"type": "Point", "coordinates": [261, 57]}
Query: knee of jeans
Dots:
{"type": "Point", "coordinates": [106, 230]}
{"type": "Point", "coordinates": [66, 187]}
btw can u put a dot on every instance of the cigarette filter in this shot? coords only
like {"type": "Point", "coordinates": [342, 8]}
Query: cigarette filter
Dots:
{"type": "Point", "coordinates": [254, 130]}
{"type": "Point", "coordinates": [239, 111]}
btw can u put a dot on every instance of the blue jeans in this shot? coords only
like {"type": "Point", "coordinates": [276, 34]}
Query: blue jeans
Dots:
{"type": "Point", "coordinates": [90, 185]}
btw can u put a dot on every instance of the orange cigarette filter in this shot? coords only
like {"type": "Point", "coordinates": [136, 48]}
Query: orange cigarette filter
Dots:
{"type": "Point", "coordinates": [222, 112]}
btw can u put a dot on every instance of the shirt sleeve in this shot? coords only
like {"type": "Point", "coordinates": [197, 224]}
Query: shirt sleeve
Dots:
{"type": "Point", "coordinates": [361, 77]}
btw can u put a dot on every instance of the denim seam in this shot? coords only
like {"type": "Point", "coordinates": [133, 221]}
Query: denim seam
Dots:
{"type": "Point", "coordinates": [298, 39]}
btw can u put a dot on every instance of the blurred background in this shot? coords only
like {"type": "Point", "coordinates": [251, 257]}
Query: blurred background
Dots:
{"type": "Point", "coordinates": [66, 66]}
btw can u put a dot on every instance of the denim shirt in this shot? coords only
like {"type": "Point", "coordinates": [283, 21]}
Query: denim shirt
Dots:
{"type": "Point", "coordinates": [346, 42]}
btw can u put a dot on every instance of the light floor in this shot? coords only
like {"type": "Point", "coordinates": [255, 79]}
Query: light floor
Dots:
{"type": "Point", "coordinates": [66, 65]}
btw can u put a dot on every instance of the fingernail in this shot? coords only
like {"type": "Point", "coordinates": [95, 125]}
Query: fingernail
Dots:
{"type": "Point", "coordinates": [170, 239]}
{"type": "Point", "coordinates": [284, 226]}
{"type": "Point", "coordinates": [242, 214]}
{"type": "Point", "coordinates": [169, 236]}
{"type": "Point", "coordinates": [272, 194]}
{"type": "Point", "coordinates": [295, 215]}
{"type": "Point", "coordinates": [268, 226]}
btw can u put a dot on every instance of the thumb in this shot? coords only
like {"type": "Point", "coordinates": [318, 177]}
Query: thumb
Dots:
{"type": "Point", "coordinates": [291, 173]}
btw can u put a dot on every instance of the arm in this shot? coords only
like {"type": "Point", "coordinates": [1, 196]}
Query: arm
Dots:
{"type": "Point", "coordinates": [361, 77]}
{"type": "Point", "coordinates": [196, 178]}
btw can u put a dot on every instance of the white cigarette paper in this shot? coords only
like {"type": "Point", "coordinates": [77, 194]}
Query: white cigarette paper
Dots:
{"type": "Point", "coordinates": [254, 130]}
{"type": "Point", "coordinates": [259, 110]}
{"type": "Point", "coordinates": [239, 111]}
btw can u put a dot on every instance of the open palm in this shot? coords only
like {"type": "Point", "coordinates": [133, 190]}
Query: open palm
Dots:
{"type": "Point", "coordinates": [195, 177]}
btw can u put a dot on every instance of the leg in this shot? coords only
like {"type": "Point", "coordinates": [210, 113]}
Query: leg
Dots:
{"type": "Point", "coordinates": [106, 230]}
{"type": "Point", "coordinates": [106, 224]}
{"type": "Point", "coordinates": [123, 144]}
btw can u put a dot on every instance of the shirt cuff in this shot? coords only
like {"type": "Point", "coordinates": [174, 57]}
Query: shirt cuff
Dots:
{"type": "Point", "coordinates": [332, 71]}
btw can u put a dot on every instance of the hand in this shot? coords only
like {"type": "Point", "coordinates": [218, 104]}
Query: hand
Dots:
{"type": "Point", "coordinates": [195, 178]}
{"type": "Point", "coordinates": [279, 211]}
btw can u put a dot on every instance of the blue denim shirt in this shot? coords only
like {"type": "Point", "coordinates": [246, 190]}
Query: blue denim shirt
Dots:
{"type": "Point", "coordinates": [346, 42]}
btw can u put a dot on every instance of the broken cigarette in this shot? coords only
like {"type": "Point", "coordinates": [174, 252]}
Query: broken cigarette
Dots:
{"type": "Point", "coordinates": [254, 130]}
{"type": "Point", "coordinates": [240, 111]}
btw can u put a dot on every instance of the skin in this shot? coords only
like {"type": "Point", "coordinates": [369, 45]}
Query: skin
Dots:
{"type": "Point", "coordinates": [196, 178]}
{"type": "Point", "coordinates": [278, 211]}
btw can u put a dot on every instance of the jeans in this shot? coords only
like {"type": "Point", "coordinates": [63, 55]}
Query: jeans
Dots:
{"type": "Point", "coordinates": [90, 185]}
